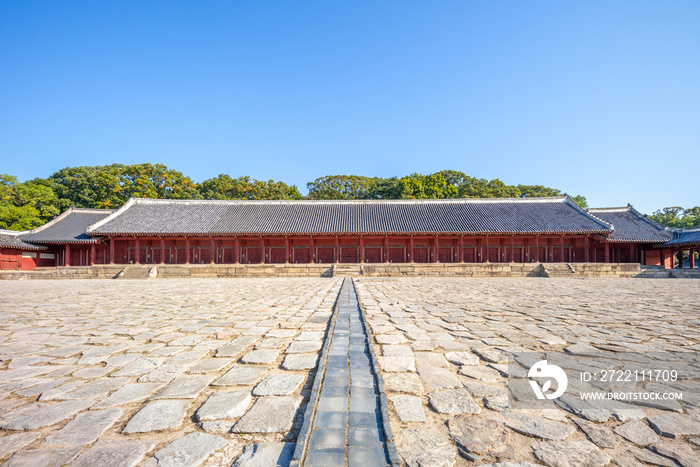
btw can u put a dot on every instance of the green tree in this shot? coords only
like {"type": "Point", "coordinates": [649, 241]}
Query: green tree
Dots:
{"type": "Point", "coordinates": [580, 200]}
{"type": "Point", "coordinates": [341, 187]}
{"type": "Point", "coordinates": [110, 186]}
{"type": "Point", "coordinates": [226, 187]}
{"type": "Point", "coordinates": [27, 205]}
{"type": "Point", "coordinates": [536, 191]}
{"type": "Point", "coordinates": [678, 217]}
{"type": "Point", "coordinates": [433, 186]}
{"type": "Point", "coordinates": [385, 188]}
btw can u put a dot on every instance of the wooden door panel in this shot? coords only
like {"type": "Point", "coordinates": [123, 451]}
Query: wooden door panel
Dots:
{"type": "Point", "coordinates": [349, 254]}
{"type": "Point", "coordinates": [252, 255]}
{"type": "Point", "coordinates": [420, 255]}
{"type": "Point", "coordinates": [325, 254]}
{"type": "Point", "coordinates": [445, 255]}
{"type": "Point", "coordinates": [301, 255]}
{"type": "Point", "coordinates": [397, 255]}
{"type": "Point", "coordinates": [373, 254]}
{"type": "Point", "coordinates": [277, 255]}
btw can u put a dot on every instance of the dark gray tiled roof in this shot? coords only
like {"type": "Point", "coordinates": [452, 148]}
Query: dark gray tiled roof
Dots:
{"type": "Point", "coordinates": [683, 237]}
{"type": "Point", "coordinates": [170, 217]}
{"type": "Point", "coordinates": [11, 240]}
{"type": "Point", "coordinates": [631, 226]}
{"type": "Point", "coordinates": [69, 227]}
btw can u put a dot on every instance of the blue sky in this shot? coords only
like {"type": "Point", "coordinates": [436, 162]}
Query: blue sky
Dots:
{"type": "Point", "coordinates": [596, 98]}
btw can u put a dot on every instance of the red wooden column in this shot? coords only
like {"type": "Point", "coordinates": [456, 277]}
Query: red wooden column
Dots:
{"type": "Point", "coordinates": [93, 253]}
{"type": "Point", "coordinates": [337, 249]}
{"type": "Point", "coordinates": [607, 252]}
{"type": "Point", "coordinates": [586, 250]}
{"type": "Point", "coordinates": [410, 248]}
{"type": "Point", "coordinates": [485, 255]}
{"type": "Point", "coordinates": [212, 247]}
{"type": "Point", "coordinates": [162, 250]}
{"type": "Point", "coordinates": [512, 255]}
{"type": "Point", "coordinates": [478, 252]}
{"type": "Point", "coordinates": [461, 249]}
{"type": "Point", "coordinates": [526, 250]}
{"type": "Point", "coordinates": [362, 249]}
{"type": "Point", "coordinates": [312, 246]}
{"type": "Point", "coordinates": [236, 250]}
{"type": "Point", "coordinates": [111, 250]}
{"type": "Point", "coordinates": [537, 249]}
{"type": "Point", "coordinates": [262, 250]}
{"type": "Point", "coordinates": [187, 250]}
{"type": "Point", "coordinates": [286, 250]}
{"type": "Point", "coordinates": [66, 255]}
{"type": "Point", "coordinates": [436, 246]}
{"type": "Point", "coordinates": [632, 259]}
{"type": "Point", "coordinates": [386, 248]}
{"type": "Point", "coordinates": [692, 258]}
{"type": "Point", "coordinates": [561, 248]}
{"type": "Point", "coordinates": [503, 251]}
{"type": "Point", "coordinates": [137, 249]}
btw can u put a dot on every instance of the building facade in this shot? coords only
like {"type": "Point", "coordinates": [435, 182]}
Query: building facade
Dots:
{"type": "Point", "coordinates": [522, 230]}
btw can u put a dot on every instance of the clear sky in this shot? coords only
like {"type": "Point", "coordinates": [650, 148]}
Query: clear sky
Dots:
{"type": "Point", "coordinates": [597, 98]}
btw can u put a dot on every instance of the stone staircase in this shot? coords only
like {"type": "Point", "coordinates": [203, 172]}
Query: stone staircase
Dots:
{"type": "Point", "coordinates": [558, 270]}
{"type": "Point", "coordinates": [347, 270]}
{"type": "Point", "coordinates": [137, 272]}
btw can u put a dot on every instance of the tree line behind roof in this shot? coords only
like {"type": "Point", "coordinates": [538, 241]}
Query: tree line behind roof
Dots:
{"type": "Point", "coordinates": [32, 203]}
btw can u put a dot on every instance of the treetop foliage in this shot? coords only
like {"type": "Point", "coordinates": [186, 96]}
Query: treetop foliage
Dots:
{"type": "Point", "coordinates": [30, 204]}
{"type": "Point", "coordinates": [440, 185]}
{"type": "Point", "coordinates": [677, 217]}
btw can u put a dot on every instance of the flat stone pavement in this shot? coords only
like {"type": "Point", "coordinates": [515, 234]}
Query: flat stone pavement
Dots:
{"type": "Point", "coordinates": [442, 347]}
{"type": "Point", "coordinates": [157, 372]}
{"type": "Point", "coordinates": [217, 372]}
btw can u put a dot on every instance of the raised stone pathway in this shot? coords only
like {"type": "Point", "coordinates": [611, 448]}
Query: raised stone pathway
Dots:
{"type": "Point", "coordinates": [345, 426]}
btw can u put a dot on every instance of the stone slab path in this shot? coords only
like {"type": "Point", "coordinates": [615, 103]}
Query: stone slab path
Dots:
{"type": "Point", "coordinates": [346, 423]}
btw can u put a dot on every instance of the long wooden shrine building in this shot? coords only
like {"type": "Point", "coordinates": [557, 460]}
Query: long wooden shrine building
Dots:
{"type": "Point", "coordinates": [519, 230]}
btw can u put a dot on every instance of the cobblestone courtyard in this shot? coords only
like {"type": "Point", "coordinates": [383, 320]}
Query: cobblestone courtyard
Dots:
{"type": "Point", "coordinates": [196, 372]}
{"type": "Point", "coordinates": [442, 342]}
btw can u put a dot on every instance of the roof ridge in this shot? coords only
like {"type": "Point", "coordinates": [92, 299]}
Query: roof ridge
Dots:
{"type": "Point", "coordinates": [614, 209]}
{"type": "Point", "coordinates": [95, 210]}
{"type": "Point", "coordinates": [531, 199]}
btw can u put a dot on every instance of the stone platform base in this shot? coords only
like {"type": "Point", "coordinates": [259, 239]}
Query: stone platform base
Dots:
{"type": "Point", "coordinates": [573, 270]}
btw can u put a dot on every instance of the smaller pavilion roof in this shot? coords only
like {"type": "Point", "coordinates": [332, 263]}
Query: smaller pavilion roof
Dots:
{"type": "Point", "coordinates": [684, 237]}
{"type": "Point", "coordinates": [10, 239]}
{"type": "Point", "coordinates": [69, 227]}
{"type": "Point", "coordinates": [631, 226]}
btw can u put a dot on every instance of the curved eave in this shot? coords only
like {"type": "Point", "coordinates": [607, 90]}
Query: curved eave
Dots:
{"type": "Point", "coordinates": [271, 234]}
{"type": "Point", "coordinates": [72, 241]}
{"type": "Point", "coordinates": [635, 240]}
{"type": "Point", "coordinates": [23, 248]}
{"type": "Point", "coordinates": [662, 246]}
